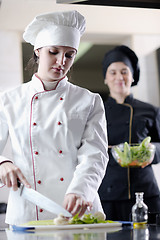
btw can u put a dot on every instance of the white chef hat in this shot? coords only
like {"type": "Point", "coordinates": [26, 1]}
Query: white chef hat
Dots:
{"type": "Point", "coordinates": [55, 29]}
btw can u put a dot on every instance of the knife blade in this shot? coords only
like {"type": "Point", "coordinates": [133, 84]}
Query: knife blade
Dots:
{"type": "Point", "coordinates": [42, 201]}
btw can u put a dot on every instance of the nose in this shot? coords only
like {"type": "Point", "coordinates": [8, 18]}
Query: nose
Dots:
{"type": "Point", "coordinates": [61, 59]}
{"type": "Point", "coordinates": [119, 76]}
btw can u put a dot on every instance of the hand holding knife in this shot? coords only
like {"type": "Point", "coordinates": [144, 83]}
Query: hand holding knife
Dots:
{"type": "Point", "coordinates": [42, 201]}
{"type": "Point", "coordinates": [9, 174]}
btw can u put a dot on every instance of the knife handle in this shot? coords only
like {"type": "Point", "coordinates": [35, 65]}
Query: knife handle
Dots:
{"type": "Point", "coordinates": [18, 183]}
{"type": "Point", "coordinates": [20, 186]}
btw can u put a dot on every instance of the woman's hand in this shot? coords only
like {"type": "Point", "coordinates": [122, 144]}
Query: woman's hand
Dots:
{"type": "Point", "coordinates": [109, 146]}
{"type": "Point", "coordinates": [76, 204]}
{"type": "Point", "coordinates": [9, 173]}
{"type": "Point", "coordinates": [145, 164]}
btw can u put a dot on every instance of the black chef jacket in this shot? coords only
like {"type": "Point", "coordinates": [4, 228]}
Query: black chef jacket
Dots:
{"type": "Point", "coordinates": [130, 122]}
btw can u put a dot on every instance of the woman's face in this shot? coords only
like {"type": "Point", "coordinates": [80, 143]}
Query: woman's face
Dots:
{"type": "Point", "coordinates": [118, 78]}
{"type": "Point", "coordinates": [54, 62]}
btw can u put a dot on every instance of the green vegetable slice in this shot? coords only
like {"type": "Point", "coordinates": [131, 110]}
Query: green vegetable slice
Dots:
{"type": "Point", "coordinates": [88, 219]}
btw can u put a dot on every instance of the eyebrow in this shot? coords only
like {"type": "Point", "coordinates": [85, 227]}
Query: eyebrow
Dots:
{"type": "Point", "coordinates": [113, 69]}
{"type": "Point", "coordinates": [69, 51]}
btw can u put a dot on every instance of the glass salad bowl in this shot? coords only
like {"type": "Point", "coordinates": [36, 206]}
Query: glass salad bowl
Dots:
{"type": "Point", "coordinates": [134, 155]}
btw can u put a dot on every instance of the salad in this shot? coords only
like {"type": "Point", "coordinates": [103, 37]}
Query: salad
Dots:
{"type": "Point", "coordinates": [134, 155]}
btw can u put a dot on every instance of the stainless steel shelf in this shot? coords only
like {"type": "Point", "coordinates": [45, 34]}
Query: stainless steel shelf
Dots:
{"type": "Point", "coordinates": [121, 3]}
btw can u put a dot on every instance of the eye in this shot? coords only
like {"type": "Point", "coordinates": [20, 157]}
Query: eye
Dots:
{"type": "Point", "coordinates": [69, 55]}
{"type": "Point", "coordinates": [112, 72]}
{"type": "Point", "coordinates": [53, 52]}
{"type": "Point", "coordinates": [124, 72]}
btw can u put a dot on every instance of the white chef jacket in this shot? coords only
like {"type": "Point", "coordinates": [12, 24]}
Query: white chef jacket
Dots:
{"type": "Point", "coordinates": [59, 141]}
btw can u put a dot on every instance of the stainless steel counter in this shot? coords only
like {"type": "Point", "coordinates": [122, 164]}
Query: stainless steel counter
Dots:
{"type": "Point", "coordinates": [150, 233]}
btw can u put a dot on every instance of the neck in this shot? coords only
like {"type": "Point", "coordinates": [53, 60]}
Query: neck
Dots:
{"type": "Point", "coordinates": [120, 98]}
{"type": "Point", "coordinates": [50, 85]}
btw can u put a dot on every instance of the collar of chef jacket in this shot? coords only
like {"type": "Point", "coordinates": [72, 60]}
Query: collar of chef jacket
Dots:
{"type": "Point", "coordinates": [38, 84]}
{"type": "Point", "coordinates": [128, 99]}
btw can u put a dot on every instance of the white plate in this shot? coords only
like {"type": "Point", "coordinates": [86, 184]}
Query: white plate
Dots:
{"type": "Point", "coordinates": [66, 227]}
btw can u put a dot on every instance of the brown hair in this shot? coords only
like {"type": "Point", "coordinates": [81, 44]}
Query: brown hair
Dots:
{"type": "Point", "coordinates": [32, 65]}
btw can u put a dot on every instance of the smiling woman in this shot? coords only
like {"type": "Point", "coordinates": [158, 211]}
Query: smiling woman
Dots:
{"type": "Point", "coordinates": [130, 121]}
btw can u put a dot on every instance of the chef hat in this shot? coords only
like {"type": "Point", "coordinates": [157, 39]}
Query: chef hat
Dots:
{"type": "Point", "coordinates": [55, 29]}
{"type": "Point", "coordinates": [123, 54]}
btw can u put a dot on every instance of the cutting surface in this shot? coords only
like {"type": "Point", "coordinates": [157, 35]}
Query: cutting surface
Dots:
{"type": "Point", "coordinates": [67, 227]}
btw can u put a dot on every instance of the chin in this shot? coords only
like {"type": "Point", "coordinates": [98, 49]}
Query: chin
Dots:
{"type": "Point", "coordinates": [56, 78]}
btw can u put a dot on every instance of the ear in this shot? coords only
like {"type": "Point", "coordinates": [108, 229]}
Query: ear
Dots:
{"type": "Point", "coordinates": [105, 81]}
{"type": "Point", "coordinates": [37, 52]}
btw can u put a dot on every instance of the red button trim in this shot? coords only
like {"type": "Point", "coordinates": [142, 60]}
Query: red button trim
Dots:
{"type": "Point", "coordinates": [36, 153]}
{"type": "Point", "coordinates": [34, 124]}
{"type": "Point", "coordinates": [62, 179]}
{"type": "Point", "coordinates": [59, 123]}
{"type": "Point", "coordinates": [36, 97]}
{"type": "Point", "coordinates": [61, 98]}
{"type": "Point", "coordinates": [39, 182]}
{"type": "Point", "coordinates": [41, 210]}
{"type": "Point", "coordinates": [60, 151]}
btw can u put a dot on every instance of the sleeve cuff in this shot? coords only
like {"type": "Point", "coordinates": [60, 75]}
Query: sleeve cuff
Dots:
{"type": "Point", "coordinates": [4, 159]}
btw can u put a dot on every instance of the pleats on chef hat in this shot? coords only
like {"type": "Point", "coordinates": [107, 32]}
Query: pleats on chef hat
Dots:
{"type": "Point", "coordinates": [55, 29]}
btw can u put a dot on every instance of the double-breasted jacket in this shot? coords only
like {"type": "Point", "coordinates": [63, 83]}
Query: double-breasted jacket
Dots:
{"type": "Point", "coordinates": [59, 141]}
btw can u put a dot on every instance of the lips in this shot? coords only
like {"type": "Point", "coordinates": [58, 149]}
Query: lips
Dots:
{"type": "Point", "coordinates": [58, 69]}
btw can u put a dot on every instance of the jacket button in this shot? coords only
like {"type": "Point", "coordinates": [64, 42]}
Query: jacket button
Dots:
{"type": "Point", "coordinates": [60, 151]}
{"type": "Point", "coordinates": [62, 179]}
{"type": "Point", "coordinates": [61, 98]}
{"type": "Point", "coordinates": [41, 210]}
{"type": "Point", "coordinates": [109, 189]}
{"type": "Point", "coordinates": [59, 123]}
{"type": "Point", "coordinates": [36, 97]}
{"type": "Point", "coordinates": [36, 153]}
{"type": "Point", "coordinates": [39, 182]}
{"type": "Point", "coordinates": [34, 124]}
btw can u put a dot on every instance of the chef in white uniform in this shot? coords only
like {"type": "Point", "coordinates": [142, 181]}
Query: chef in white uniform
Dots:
{"type": "Point", "coordinates": [57, 130]}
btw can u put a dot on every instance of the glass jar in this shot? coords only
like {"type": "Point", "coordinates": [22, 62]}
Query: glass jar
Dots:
{"type": "Point", "coordinates": [139, 211]}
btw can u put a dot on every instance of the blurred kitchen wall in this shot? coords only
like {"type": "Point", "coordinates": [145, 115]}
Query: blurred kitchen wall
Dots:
{"type": "Point", "coordinates": [106, 26]}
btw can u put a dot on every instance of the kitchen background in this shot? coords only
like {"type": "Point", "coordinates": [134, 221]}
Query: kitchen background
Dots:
{"type": "Point", "coordinates": [107, 26]}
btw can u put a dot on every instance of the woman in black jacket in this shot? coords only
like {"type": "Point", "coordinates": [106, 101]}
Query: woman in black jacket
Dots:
{"type": "Point", "coordinates": [128, 120]}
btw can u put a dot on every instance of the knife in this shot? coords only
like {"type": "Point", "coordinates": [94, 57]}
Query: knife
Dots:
{"type": "Point", "coordinates": [41, 201]}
